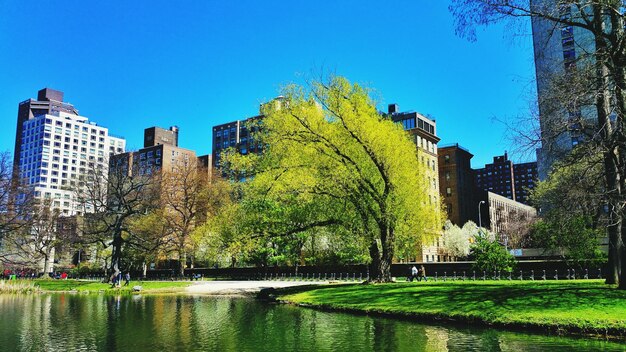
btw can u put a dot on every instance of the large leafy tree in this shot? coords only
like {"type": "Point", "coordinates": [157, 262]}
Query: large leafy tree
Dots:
{"type": "Point", "coordinates": [333, 161]}
{"type": "Point", "coordinates": [603, 21]}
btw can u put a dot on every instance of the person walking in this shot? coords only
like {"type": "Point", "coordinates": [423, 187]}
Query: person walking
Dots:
{"type": "Point", "coordinates": [413, 273]}
{"type": "Point", "coordinates": [127, 279]}
{"type": "Point", "coordinates": [422, 274]}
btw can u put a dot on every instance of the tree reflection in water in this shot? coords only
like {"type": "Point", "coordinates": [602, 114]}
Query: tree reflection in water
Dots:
{"type": "Point", "coordinates": [91, 322]}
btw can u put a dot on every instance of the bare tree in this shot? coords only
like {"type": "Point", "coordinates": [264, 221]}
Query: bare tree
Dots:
{"type": "Point", "coordinates": [34, 245]}
{"type": "Point", "coordinates": [518, 229]}
{"type": "Point", "coordinates": [16, 199]}
{"type": "Point", "coordinates": [112, 200]}
{"type": "Point", "coordinates": [187, 196]}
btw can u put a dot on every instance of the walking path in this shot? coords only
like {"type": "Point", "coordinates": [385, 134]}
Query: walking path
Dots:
{"type": "Point", "coordinates": [242, 287]}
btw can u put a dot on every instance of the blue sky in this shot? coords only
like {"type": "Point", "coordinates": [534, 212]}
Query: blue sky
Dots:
{"type": "Point", "coordinates": [130, 65]}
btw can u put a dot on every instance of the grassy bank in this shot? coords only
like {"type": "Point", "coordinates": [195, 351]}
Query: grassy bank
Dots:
{"type": "Point", "coordinates": [7, 286]}
{"type": "Point", "coordinates": [94, 286]}
{"type": "Point", "coordinates": [566, 307]}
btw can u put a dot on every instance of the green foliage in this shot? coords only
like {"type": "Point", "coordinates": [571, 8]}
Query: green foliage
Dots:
{"type": "Point", "coordinates": [332, 161]}
{"type": "Point", "coordinates": [335, 248]}
{"type": "Point", "coordinates": [573, 188]}
{"type": "Point", "coordinates": [571, 199]}
{"type": "Point", "coordinates": [573, 238]}
{"type": "Point", "coordinates": [491, 256]}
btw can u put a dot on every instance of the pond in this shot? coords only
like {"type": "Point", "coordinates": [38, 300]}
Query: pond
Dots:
{"type": "Point", "coordinates": [90, 322]}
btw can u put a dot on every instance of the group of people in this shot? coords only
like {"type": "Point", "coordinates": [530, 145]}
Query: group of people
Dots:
{"type": "Point", "coordinates": [418, 274]}
{"type": "Point", "coordinates": [116, 280]}
{"type": "Point", "coordinates": [8, 274]}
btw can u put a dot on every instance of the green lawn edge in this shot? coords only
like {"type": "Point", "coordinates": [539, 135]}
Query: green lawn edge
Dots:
{"type": "Point", "coordinates": [88, 286]}
{"type": "Point", "coordinates": [574, 307]}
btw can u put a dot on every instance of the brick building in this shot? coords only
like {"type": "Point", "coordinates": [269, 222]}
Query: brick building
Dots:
{"type": "Point", "coordinates": [456, 183]}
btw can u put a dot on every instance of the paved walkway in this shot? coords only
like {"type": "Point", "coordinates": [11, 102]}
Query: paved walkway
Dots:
{"type": "Point", "coordinates": [242, 287]}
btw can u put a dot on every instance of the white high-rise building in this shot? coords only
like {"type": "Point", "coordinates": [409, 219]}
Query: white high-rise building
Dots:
{"type": "Point", "coordinates": [58, 150]}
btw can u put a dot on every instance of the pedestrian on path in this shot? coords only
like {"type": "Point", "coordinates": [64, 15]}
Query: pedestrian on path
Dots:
{"type": "Point", "coordinates": [413, 274]}
{"type": "Point", "coordinates": [422, 274]}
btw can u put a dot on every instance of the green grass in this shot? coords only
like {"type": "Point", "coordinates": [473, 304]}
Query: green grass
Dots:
{"type": "Point", "coordinates": [94, 286]}
{"type": "Point", "coordinates": [570, 307]}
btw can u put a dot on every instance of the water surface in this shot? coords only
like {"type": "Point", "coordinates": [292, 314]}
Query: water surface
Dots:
{"type": "Point", "coordinates": [67, 322]}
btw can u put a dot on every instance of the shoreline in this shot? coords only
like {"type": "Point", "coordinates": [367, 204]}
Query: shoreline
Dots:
{"type": "Point", "coordinates": [219, 288]}
{"type": "Point", "coordinates": [548, 326]}
{"type": "Point", "coordinates": [549, 330]}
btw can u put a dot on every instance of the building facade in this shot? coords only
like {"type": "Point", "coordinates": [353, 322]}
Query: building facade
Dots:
{"type": "Point", "coordinates": [456, 184]}
{"type": "Point", "coordinates": [160, 152]}
{"type": "Point", "coordinates": [525, 176]}
{"type": "Point", "coordinates": [497, 177]}
{"type": "Point", "coordinates": [423, 132]}
{"type": "Point", "coordinates": [58, 148]}
{"type": "Point", "coordinates": [49, 101]}
{"type": "Point", "coordinates": [236, 134]}
{"type": "Point", "coordinates": [156, 135]}
{"type": "Point", "coordinates": [507, 179]}
{"type": "Point", "coordinates": [559, 49]}
{"type": "Point", "coordinates": [497, 212]}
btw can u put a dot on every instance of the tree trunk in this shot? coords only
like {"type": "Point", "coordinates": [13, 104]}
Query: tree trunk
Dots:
{"type": "Point", "coordinates": [46, 264]}
{"type": "Point", "coordinates": [182, 262]}
{"type": "Point", "coordinates": [622, 268]}
{"type": "Point", "coordinates": [380, 268]}
{"type": "Point", "coordinates": [614, 229]}
{"type": "Point", "coordinates": [617, 26]}
{"type": "Point", "coordinates": [375, 265]}
{"type": "Point", "coordinates": [388, 252]}
{"type": "Point", "coordinates": [610, 167]}
{"type": "Point", "coordinates": [116, 255]}
{"type": "Point", "coordinates": [144, 270]}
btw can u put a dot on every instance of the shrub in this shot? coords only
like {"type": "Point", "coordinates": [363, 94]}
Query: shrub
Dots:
{"type": "Point", "coordinates": [490, 256]}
